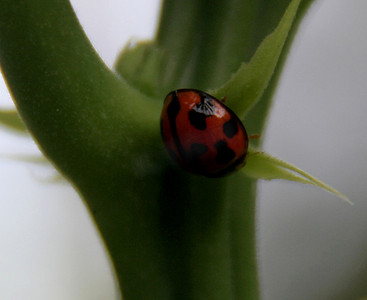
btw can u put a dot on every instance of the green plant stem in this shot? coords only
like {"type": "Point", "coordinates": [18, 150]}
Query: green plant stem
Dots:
{"type": "Point", "coordinates": [70, 101]}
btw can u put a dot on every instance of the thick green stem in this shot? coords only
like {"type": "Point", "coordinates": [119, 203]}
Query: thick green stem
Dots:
{"type": "Point", "coordinates": [199, 230]}
{"type": "Point", "coordinates": [174, 244]}
{"type": "Point", "coordinates": [69, 100]}
{"type": "Point", "coordinates": [242, 193]}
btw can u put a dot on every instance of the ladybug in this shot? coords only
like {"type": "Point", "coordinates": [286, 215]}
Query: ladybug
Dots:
{"type": "Point", "coordinates": [202, 134]}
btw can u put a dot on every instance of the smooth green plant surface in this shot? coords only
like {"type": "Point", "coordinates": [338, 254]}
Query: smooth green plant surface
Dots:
{"type": "Point", "coordinates": [170, 235]}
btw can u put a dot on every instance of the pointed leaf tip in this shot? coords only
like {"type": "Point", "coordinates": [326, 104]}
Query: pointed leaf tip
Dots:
{"type": "Point", "coordinates": [261, 165]}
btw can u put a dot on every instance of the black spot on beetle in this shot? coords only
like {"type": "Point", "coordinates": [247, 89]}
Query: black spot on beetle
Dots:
{"type": "Point", "coordinates": [238, 162]}
{"type": "Point", "coordinates": [197, 116]}
{"type": "Point", "coordinates": [225, 154]}
{"type": "Point", "coordinates": [230, 168]}
{"type": "Point", "coordinates": [197, 120]}
{"type": "Point", "coordinates": [197, 150]}
{"type": "Point", "coordinates": [173, 108]}
{"type": "Point", "coordinates": [230, 128]}
{"type": "Point", "coordinates": [192, 158]}
{"type": "Point", "coordinates": [172, 111]}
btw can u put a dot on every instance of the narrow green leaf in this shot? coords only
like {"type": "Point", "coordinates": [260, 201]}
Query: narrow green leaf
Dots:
{"type": "Point", "coordinates": [246, 86]}
{"type": "Point", "coordinates": [261, 165]}
{"type": "Point", "coordinates": [11, 120]}
{"type": "Point", "coordinates": [140, 65]}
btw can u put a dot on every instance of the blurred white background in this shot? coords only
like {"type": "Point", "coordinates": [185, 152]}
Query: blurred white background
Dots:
{"type": "Point", "coordinates": [312, 245]}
